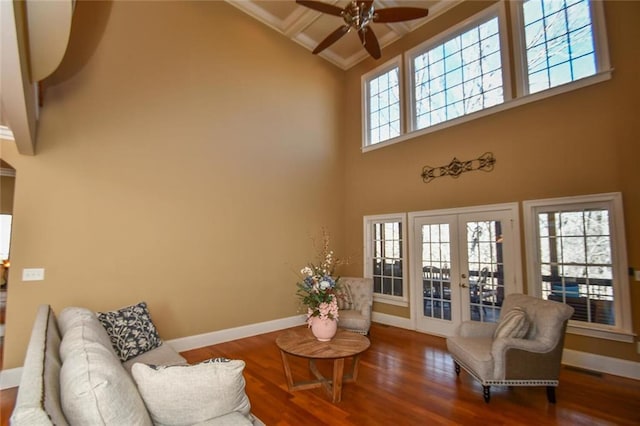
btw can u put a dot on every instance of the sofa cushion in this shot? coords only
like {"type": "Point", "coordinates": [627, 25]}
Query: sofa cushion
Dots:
{"type": "Point", "coordinates": [178, 395]}
{"type": "Point", "coordinates": [96, 389]}
{"type": "Point", "coordinates": [162, 355]}
{"type": "Point", "coordinates": [473, 353]}
{"type": "Point", "coordinates": [232, 419]}
{"type": "Point", "coordinates": [514, 324]}
{"type": "Point", "coordinates": [79, 326]}
{"type": "Point", "coordinates": [131, 330]}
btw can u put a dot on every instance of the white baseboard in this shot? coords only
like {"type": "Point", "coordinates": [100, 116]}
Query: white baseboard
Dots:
{"type": "Point", "coordinates": [601, 364]}
{"type": "Point", "coordinates": [11, 378]}
{"type": "Point", "coordinates": [619, 367]}
{"type": "Point", "coordinates": [213, 338]}
{"type": "Point", "coordinates": [392, 320]}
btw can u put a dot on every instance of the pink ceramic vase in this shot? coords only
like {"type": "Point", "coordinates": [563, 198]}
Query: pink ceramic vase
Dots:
{"type": "Point", "coordinates": [324, 329]}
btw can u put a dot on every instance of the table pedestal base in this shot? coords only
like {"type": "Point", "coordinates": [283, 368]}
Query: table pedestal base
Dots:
{"type": "Point", "coordinates": [333, 386]}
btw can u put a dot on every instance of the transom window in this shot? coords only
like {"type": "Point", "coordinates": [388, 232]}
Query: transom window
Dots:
{"type": "Point", "coordinates": [577, 257]}
{"type": "Point", "coordinates": [459, 76]}
{"type": "Point", "coordinates": [383, 104]}
{"type": "Point", "coordinates": [473, 69]}
{"type": "Point", "coordinates": [559, 42]}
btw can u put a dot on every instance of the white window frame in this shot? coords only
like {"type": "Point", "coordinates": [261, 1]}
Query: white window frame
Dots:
{"type": "Point", "coordinates": [498, 11]}
{"type": "Point", "coordinates": [515, 53]}
{"type": "Point", "coordinates": [603, 66]}
{"type": "Point", "coordinates": [622, 329]}
{"type": "Point", "coordinates": [368, 222]}
{"type": "Point", "coordinates": [366, 108]}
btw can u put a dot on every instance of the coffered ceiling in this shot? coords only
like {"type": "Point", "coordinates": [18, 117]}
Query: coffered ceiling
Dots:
{"type": "Point", "coordinates": [308, 27]}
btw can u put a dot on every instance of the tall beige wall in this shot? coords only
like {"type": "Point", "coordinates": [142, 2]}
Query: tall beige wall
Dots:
{"type": "Point", "coordinates": [186, 156]}
{"type": "Point", "coordinates": [582, 142]}
{"type": "Point", "coordinates": [187, 153]}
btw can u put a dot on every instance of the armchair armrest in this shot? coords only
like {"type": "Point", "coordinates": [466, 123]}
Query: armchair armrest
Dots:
{"type": "Point", "coordinates": [525, 359]}
{"type": "Point", "coordinates": [366, 311]}
{"type": "Point", "coordinates": [502, 345]}
{"type": "Point", "coordinates": [476, 329]}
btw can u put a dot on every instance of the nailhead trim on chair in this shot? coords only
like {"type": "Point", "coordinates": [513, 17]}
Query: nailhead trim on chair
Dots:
{"type": "Point", "coordinates": [520, 382]}
{"type": "Point", "coordinates": [509, 382]}
{"type": "Point", "coordinates": [356, 331]}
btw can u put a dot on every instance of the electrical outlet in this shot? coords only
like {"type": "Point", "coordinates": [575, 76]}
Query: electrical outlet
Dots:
{"type": "Point", "coordinates": [33, 274]}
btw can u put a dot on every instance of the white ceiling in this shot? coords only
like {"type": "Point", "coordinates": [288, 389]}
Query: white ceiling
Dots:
{"type": "Point", "coordinates": [308, 27]}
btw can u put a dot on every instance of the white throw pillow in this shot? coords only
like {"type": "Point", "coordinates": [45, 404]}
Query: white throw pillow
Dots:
{"type": "Point", "coordinates": [513, 324]}
{"type": "Point", "coordinates": [187, 394]}
{"type": "Point", "coordinates": [96, 390]}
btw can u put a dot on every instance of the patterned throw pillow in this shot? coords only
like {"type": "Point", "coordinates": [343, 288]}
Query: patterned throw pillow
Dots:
{"type": "Point", "coordinates": [131, 330]}
{"type": "Point", "coordinates": [345, 301]}
{"type": "Point", "coordinates": [513, 324]}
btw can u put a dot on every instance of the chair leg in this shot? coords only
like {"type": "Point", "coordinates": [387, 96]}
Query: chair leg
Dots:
{"type": "Point", "coordinates": [457, 367]}
{"type": "Point", "coordinates": [486, 393]}
{"type": "Point", "coordinates": [551, 394]}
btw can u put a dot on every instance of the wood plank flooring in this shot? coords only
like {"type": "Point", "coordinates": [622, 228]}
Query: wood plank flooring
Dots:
{"type": "Point", "coordinates": [407, 378]}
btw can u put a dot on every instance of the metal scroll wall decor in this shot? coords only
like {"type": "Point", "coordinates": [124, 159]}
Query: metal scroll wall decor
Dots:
{"type": "Point", "coordinates": [456, 167]}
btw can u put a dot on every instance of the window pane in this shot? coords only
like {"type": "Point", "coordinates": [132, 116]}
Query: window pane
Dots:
{"type": "Point", "coordinates": [384, 107]}
{"type": "Point", "coordinates": [464, 75]}
{"type": "Point", "coordinates": [577, 262]}
{"type": "Point", "coordinates": [387, 258]}
{"type": "Point", "coordinates": [436, 261]}
{"type": "Point", "coordinates": [559, 40]}
{"type": "Point", "coordinates": [532, 11]}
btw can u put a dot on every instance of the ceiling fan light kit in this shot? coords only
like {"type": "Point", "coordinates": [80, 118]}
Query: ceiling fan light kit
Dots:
{"type": "Point", "coordinates": [359, 15]}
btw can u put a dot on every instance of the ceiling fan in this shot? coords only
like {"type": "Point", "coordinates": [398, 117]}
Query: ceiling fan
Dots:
{"type": "Point", "coordinates": [358, 15]}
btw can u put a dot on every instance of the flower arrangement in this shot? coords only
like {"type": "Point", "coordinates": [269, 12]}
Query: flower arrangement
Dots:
{"type": "Point", "coordinates": [318, 288]}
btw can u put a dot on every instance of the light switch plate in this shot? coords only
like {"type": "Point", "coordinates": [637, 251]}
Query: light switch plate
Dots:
{"type": "Point", "coordinates": [33, 274]}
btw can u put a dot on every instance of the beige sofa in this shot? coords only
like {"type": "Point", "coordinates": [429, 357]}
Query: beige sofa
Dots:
{"type": "Point", "coordinates": [72, 375]}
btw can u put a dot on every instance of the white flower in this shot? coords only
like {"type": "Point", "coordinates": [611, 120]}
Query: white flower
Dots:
{"type": "Point", "coordinates": [307, 271]}
{"type": "Point", "coordinates": [324, 284]}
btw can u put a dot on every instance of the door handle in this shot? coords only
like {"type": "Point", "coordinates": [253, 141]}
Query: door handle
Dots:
{"type": "Point", "coordinates": [463, 285]}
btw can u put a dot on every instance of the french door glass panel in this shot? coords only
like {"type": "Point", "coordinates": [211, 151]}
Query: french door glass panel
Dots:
{"type": "Point", "coordinates": [436, 271]}
{"type": "Point", "coordinates": [485, 268]}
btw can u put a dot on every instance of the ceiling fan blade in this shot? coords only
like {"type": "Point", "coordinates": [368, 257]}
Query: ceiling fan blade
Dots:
{"type": "Point", "coordinates": [370, 41]}
{"type": "Point", "coordinates": [331, 38]}
{"type": "Point", "coordinates": [398, 14]}
{"type": "Point", "coordinates": [321, 7]}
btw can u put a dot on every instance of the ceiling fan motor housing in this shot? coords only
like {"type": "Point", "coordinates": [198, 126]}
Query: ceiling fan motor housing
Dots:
{"type": "Point", "coordinates": [357, 15]}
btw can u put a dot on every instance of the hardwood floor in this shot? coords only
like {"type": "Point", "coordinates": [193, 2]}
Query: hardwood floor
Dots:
{"type": "Point", "coordinates": [407, 378]}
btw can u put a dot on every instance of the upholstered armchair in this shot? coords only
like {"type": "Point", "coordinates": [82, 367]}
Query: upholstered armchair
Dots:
{"type": "Point", "coordinates": [524, 348]}
{"type": "Point", "coordinates": [355, 300]}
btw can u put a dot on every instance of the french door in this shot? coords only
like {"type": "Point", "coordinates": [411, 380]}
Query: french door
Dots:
{"type": "Point", "coordinates": [463, 263]}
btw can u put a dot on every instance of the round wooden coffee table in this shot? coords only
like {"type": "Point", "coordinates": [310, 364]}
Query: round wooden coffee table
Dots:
{"type": "Point", "coordinates": [301, 343]}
